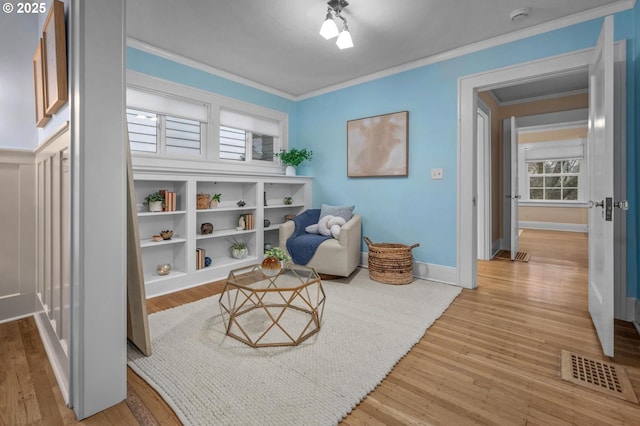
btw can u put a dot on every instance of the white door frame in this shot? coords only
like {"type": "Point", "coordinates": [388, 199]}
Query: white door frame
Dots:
{"type": "Point", "coordinates": [468, 87]}
{"type": "Point", "coordinates": [485, 239]}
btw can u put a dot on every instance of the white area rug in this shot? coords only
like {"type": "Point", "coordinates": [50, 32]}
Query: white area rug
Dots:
{"type": "Point", "coordinates": [210, 379]}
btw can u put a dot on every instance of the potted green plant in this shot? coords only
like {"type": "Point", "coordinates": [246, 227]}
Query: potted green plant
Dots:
{"type": "Point", "coordinates": [293, 158]}
{"type": "Point", "coordinates": [238, 248]}
{"type": "Point", "coordinates": [214, 201]}
{"type": "Point", "coordinates": [155, 202]}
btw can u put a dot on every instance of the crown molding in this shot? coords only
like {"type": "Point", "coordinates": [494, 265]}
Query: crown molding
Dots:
{"type": "Point", "coordinates": [183, 60]}
{"type": "Point", "coordinates": [577, 18]}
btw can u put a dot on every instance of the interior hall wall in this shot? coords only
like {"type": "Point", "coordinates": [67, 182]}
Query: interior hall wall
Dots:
{"type": "Point", "coordinates": [18, 234]}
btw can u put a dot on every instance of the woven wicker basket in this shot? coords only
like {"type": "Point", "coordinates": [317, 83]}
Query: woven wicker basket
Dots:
{"type": "Point", "coordinates": [390, 263]}
{"type": "Point", "coordinates": [202, 201]}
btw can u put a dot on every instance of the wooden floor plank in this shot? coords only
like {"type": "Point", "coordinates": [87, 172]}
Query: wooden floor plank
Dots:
{"type": "Point", "coordinates": [492, 358]}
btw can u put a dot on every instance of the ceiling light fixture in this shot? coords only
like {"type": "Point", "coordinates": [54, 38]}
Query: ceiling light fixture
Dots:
{"type": "Point", "coordinates": [329, 28]}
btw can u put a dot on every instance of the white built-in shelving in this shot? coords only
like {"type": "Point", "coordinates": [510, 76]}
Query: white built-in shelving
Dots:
{"type": "Point", "coordinates": [264, 199]}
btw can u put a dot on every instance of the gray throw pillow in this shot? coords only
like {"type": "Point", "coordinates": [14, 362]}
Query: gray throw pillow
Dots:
{"type": "Point", "coordinates": [345, 212]}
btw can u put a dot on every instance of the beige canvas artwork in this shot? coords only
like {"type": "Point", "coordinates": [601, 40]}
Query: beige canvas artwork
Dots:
{"type": "Point", "coordinates": [378, 146]}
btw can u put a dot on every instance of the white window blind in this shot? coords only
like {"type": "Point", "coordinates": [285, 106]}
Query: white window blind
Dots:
{"type": "Point", "coordinates": [166, 104]}
{"type": "Point", "coordinates": [250, 123]}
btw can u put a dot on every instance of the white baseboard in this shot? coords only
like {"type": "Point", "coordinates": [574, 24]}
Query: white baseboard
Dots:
{"type": "Point", "coordinates": [55, 352]}
{"type": "Point", "coordinates": [552, 226]}
{"type": "Point", "coordinates": [425, 271]}
{"type": "Point", "coordinates": [17, 306]}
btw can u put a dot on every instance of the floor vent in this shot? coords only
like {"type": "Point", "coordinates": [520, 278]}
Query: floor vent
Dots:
{"type": "Point", "coordinates": [598, 375]}
{"type": "Point", "coordinates": [521, 256]}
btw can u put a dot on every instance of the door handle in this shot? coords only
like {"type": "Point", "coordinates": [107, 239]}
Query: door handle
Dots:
{"type": "Point", "coordinates": [622, 205]}
{"type": "Point", "coordinates": [593, 204]}
{"type": "Point", "coordinates": [515, 197]}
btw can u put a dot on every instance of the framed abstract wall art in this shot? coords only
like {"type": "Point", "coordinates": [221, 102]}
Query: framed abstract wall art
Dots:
{"type": "Point", "coordinates": [378, 145]}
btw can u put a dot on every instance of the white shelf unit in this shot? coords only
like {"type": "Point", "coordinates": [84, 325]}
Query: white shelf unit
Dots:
{"type": "Point", "coordinates": [275, 210]}
{"type": "Point", "coordinates": [172, 251]}
{"type": "Point", "coordinates": [180, 251]}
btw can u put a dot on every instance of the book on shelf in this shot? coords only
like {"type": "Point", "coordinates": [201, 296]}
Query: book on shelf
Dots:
{"type": "Point", "coordinates": [249, 221]}
{"type": "Point", "coordinates": [169, 200]}
{"type": "Point", "coordinates": [200, 255]}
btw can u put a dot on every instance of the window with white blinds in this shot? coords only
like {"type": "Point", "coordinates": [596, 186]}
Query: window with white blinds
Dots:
{"type": "Point", "coordinates": [164, 124]}
{"type": "Point", "coordinates": [245, 137]}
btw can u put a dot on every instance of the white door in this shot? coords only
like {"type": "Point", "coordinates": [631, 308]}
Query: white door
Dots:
{"type": "Point", "coordinates": [514, 197]}
{"type": "Point", "coordinates": [601, 290]}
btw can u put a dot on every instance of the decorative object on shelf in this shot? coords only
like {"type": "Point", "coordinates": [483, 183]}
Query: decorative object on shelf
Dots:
{"type": "Point", "coordinates": [214, 201]}
{"type": "Point", "coordinates": [239, 249]}
{"type": "Point", "coordinates": [288, 201]}
{"type": "Point", "coordinates": [267, 246]}
{"type": "Point", "coordinates": [267, 223]}
{"type": "Point", "coordinates": [157, 238]}
{"type": "Point", "coordinates": [271, 266]}
{"type": "Point", "coordinates": [378, 146]}
{"type": "Point", "coordinates": [155, 202]}
{"type": "Point", "coordinates": [163, 269]}
{"type": "Point", "coordinates": [166, 234]}
{"type": "Point", "coordinates": [293, 158]}
{"type": "Point", "coordinates": [241, 203]}
{"type": "Point", "coordinates": [207, 261]}
{"type": "Point", "coordinates": [242, 223]}
{"type": "Point", "coordinates": [202, 201]}
{"type": "Point", "coordinates": [170, 203]}
{"type": "Point", "coordinates": [206, 228]}
{"type": "Point", "coordinates": [279, 254]}
{"type": "Point", "coordinates": [289, 217]}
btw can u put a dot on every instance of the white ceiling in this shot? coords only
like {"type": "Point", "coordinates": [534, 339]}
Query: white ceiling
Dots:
{"type": "Point", "coordinates": [276, 43]}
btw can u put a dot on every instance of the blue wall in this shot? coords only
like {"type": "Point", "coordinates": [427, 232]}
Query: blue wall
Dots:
{"type": "Point", "coordinates": [416, 208]}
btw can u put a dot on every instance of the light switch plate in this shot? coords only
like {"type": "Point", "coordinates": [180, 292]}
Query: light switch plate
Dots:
{"type": "Point", "coordinates": [437, 174]}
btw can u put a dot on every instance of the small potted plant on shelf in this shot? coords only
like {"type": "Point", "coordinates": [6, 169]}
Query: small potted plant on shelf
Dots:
{"type": "Point", "coordinates": [155, 202]}
{"type": "Point", "coordinates": [293, 158]}
{"type": "Point", "coordinates": [239, 249]}
{"type": "Point", "coordinates": [214, 201]}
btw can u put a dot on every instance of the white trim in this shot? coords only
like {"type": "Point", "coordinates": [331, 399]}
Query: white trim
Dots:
{"type": "Point", "coordinates": [553, 127]}
{"type": "Point", "coordinates": [553, 226]}
{"type": "Point", "coordinates": [174, 57]}
{"type": "Point", "coordinates": [58, 358]}
{"type": "Point", "coordinates": [553, 203]}
{"type": "Point", "coordinates": [16, 156]}
{"type": "Point", "coordinates": [484, 195]}
{"type": "Point", "coordinates": [543, 97]}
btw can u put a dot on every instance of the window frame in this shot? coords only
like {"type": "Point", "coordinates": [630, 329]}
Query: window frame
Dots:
{"type": "Point", "coordinates": [558, 150]}
{"type": "Point", "coordinates": [209, 157]}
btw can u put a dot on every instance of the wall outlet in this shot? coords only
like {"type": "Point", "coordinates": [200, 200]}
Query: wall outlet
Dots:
{"type": "Point", "coordinates": [437, 174]}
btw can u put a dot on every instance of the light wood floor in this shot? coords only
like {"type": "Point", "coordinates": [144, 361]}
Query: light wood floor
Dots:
{"type": "Point", "coordinates": [492, 358]}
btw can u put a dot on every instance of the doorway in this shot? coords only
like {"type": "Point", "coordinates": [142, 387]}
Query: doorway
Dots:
{"type": "Point", "coordinates": [467, 249]}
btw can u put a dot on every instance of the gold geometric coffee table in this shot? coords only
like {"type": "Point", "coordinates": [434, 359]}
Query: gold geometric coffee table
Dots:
{"type": "Point", "coordinates": [280, 310]}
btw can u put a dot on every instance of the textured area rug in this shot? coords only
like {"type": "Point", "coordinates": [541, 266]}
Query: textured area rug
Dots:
{"type": "Point", "coordinates": [211, 379]}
